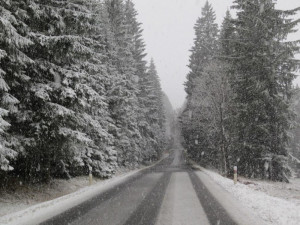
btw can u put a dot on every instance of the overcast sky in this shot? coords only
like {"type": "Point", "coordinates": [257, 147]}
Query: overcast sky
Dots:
{"type": "Point", "coordinates": [168, 34]}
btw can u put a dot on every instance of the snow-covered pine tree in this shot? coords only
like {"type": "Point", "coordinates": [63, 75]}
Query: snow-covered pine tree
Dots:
{"type": "Point", "coordinates": [93, 109]}
{"type": "Point", "coordinates": [14, 41]}
{"type": "Point", "coordinates": [203, 51]}
{"type": "Point", "coordinates": [43, 117]}
{"type": "Point", "coordinates": [294, 144]}
{"type": "Point", "coordinates": [148, 83]}
{"type": "Point", "coordinates": [155, 112]}
{"type": "Point", "coordinates": [226, 38]}
{"type": "Point", "coordinates": [264, 65]}
{"type": "Point", "coordinates": [123, 101]}
{"type": "Point", "coordinates": [225, 56]}
{"type": "Point", "coordinates": [72, 69]}
{"type": "Point", "coordinates": [62, 103]}
{"type": "Point", "coordinates": [135, 30]}
{"type": "Point", "coordinates": [138, 53]}
{"type": "Point", "coordinates": [170, 120]}
{"type": "Point", "coordinates": [205, 45]}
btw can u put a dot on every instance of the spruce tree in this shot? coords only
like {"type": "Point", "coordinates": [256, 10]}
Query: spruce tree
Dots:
{"type": "Point", "coordinates": [155, 111]}
{"type": "Point", "coordinates": [226, 38]}
{"type": "Point", "coordinates": [123, 102]}
{"type": "Point", "coordinates": [225, 57]}
{"type": "Point", "coordinates": [264, 65]}
{"type": "Point", "coordinates": [205, 45]}
{"type": "Point", "coordinates": [64, 99]}
{"type": "Point", "coordinates": [204, 50]}
{"type": "Point", "coordinates": [14, 40]}
{"type": "Point", "coordinates": [72, 76]}
{"type": "Point", "coordinates": [140, 64]}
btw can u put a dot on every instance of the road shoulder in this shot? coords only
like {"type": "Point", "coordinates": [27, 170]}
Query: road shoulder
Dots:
{"type": "Point", "coordinates": [236, 210]}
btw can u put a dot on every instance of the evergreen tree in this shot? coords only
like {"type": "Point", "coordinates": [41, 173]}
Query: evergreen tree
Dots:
{"type": "Point", "coordinates": [170, 120]}
{"type": "Point", "coordinates": [294, 144]}
{"type": "Point", "coordinates": [155, 111]}
{"type": "Point", "coordinates": [204, 50]}
{"type": "Point", "coordinates": [14, 40]}
{"type": "Point", "coordinates": [64, 94]}
{"type": "Point", "coordinates": [264, 66]}
{"type": "Point", "coordinates": [138, 53]}
{"type": "Point", "coordinates": [72, 76]}
{"type": "Point", "coordinates": [205, 45]}
{"type": "Point", "coordinates": [123, 102]}
{"type": "Point", "coordinates": [225, 58]}
{"type": "Point", "coordinates": [227, 35]}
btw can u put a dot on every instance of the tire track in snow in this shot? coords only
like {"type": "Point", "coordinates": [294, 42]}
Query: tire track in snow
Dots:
{"type": "Point", "coordinates": [215, 213]}
{"type": "Point", "coordinates": [147, 212]}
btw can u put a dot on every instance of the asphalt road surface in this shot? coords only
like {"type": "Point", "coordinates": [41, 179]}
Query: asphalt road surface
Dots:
{"type": "Point", "coordinates": [169, 193]}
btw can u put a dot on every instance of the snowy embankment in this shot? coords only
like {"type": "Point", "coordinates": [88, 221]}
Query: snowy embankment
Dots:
{"type": "Point", "coordinates": [21, 196]}
{"type": "Point", "coordinates": [274, 202]}
{"type": "Point", "coordinates": [40, 212]}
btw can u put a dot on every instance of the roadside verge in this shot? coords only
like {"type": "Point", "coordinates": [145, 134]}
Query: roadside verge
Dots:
{"type": "Point", "coordinates": [46, 210]}
{"type": "Point", "coordinates": [246, 205]}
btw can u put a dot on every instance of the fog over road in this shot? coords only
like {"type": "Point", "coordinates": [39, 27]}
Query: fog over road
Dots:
{"type": "Point", "coordinates": [169, 193]}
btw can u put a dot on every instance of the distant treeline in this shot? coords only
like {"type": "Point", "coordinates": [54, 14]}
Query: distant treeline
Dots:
{"type": "Point", "coordinates": [240, 89]}
{"type": "Point", "coordinates": [76, 92]}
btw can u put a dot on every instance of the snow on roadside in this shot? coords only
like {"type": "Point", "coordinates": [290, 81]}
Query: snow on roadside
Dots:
{"type": "Point", "coordinates": [46, 210]}
{"type": "Point", "coordinates": [273, 210]}
{"type": "Point", "coordinates": [23, 196]}
{"type": "Point", "coordinates": [288, 191]}
{"type": "Point", "coordinates": [40, 212]}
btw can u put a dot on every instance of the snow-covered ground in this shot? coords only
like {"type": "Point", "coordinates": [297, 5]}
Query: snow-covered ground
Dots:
{"type": "Point", "coordinates": [288, 191]}
{"type": "Point", "coordinates": [29, 207]}
{"type": "Point", "coordinates": [37, 213]}
{"type": "Point", "coordinates": [274, 202]}
{"type": "Point", "coordinates": [25, 196]}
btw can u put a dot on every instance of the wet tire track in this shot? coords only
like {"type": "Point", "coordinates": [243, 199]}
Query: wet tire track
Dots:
{"type": "Point", "coordinates": [147, 212]}
{"type": "Point", "coordinates": [215, 213]}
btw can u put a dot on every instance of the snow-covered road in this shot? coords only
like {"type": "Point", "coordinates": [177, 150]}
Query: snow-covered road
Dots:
{"type": "Point", "coordinates": [181, 203]}
{"type": "Point", "coordinates": [168, 193]}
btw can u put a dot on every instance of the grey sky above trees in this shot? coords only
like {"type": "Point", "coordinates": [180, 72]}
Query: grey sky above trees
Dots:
{"type": "Point", "coordinates": [168, 33]}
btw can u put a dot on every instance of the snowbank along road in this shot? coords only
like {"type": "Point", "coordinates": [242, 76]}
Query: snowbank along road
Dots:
{"type": "Point", "coordinates": [169, 193]}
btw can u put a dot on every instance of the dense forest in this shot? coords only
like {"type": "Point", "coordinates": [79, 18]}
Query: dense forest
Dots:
{"type": "Point", "coordinates": [78, 94]}
{"type": "Point", "coordinates": [239, 109]}
{"type": "Point", "coordinates": [76, 90]}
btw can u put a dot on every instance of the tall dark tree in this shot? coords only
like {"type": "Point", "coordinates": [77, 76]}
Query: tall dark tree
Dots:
{"type": "Point", "coordinates": [205, 45]}
{"type": "Point", "coordinates": [294, 145]}
{"type": "Point", "coordinates": [227, 35]}
{"type": "Point", "coordinates": [123, 95]}
{"type": "Point", "coordinates": [140, 64]}
{"type": "Point", "coordinates": [14, 41]}
{"type": "Point", "coordinates": [227, 111]}
{"type": "Point", "coordinates": [264, 65]}
{"type": "Point", "coordinates": [155, 110]}
{"type": "Point", "coordinates": [203, 52]}
{"type": "Point", "coordinates": [64, 91]}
